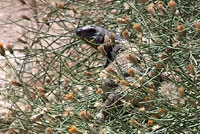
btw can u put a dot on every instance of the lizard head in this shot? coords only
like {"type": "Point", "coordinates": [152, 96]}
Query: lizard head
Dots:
{"type": "Point", "coordinates": [92, 35]}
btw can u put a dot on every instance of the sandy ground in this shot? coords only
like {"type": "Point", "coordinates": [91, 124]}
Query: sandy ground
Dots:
{"type": "Point", "coordinates": [9, 32]}
{"type": "Point", "coordinates": [11, 12]}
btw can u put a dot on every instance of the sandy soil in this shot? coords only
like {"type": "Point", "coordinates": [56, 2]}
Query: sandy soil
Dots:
{"type": "Point", "coordinates": [10, 11]}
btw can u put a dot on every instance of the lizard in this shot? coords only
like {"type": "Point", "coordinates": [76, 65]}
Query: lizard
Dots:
{"type": "Point", "coordinates": [116, 53]}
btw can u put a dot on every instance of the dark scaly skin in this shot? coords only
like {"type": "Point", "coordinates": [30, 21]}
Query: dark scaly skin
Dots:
{"type": "Point", "coordinates": [95, 36]}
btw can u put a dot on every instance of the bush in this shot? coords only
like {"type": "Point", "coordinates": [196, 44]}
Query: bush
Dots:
{"type": "Point", "coordinates": [56, 84]}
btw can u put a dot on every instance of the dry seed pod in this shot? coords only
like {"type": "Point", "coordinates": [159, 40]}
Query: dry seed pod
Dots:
{"type": "Point", "coordinates": [162, 3]}
{"type": "Point", "coordinates": [99, 104]}
{"type": "Point", "coordinates": [125, 34]}
{"type": "Point", "coordinates": [191, 69]}
{"type": "Point", "coordinates": [66, 82]}
{"type": "Point", "coordinates": [10, 48]}
{"type": "Point", "coordinates": [151, 9]}
{"type": "Point", "coordinates": [137, 101]}
{"type": "Point", "coordinates": [75, 130]}
{"type": "Point", "coordinates": [172, 5]}
{"type": "Point", "coordinates": [107, 40]}
{"type": "Point", "coordinates": [153, 73]}
{"type": "Point", "coordinates": [25, 47]}
{"type": "Point", "coordinates": [37, 117]}
{"type": "Point", "coordinates": [101, 50]}
{"type": "Point", "coordinates": [131, 72]}
{"type": "Point", "coordinates": [86, 115]}
{"type": "Point", "coordinates": [2, 50]}
{"type": "Point", "coordinates": [48, 130]}
{"type": "Point", "coordinates": [70, 96]}
{"type": "Point", "coordinates": [16, 83]}
{"type": "Point", "coordinates": [123, 83]}
{"type": "Point", "coordinates": [48, 80]}
{"type": "Point", "coordinates": [151, 85]}
{"type": "Point", "coordinates": [147, 98]}
{"type": "Point", "coordinates": [60, 5]}
{"type": "Point", "coordinates": [162, 111]}
{"type": "Point", "coordinates": [86, 73]}
{"type": "Point", "coordinates": [180, 29]}
{"type": "Point", "coordinates": [127, 19]}
{"type": "Point", "coordinates": [150, 123]}
{"type": "Point", "coordinates": [99, 91]}
{"type": "Point", "coordinates": [21, 40]}
{"type": "Point", "coordinates": [110, 70]}
{"type": "Point", "coordinates": [11, 113]}
{"type": "Point", "coordinates": [162, 8]}
{"type": "Point", "coordinates": [152, 91]}
{"type": "Point", "coordinates": [159, 65]}
{"type": "Point", "coordinates": [23, 16]}
{"type": "Point", "coordinates": [121, 21]}
{"type": "Point", "coordinates": [40, 89]}
{"type": "Point", "coordinates": [134, 122]}
{"type": "Point", "coordinates": [181, 91]}
{"type": "Point", "coordinates": [152, 5]}
{"type": "Point", "coordinates": [132, 58]}
{"type": "Point", "coordinates": [112, 37]}
{"type": "Point", "coordinates": [197, 25]}
{"type": "Point", "coordinates": [42, 93]}
{"type": "Point", "coordinates": [27, 108]}
{"type": "Point", "coordinates": [137, 27]}
{"type": "Point", "coordinates": [82, 115]}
